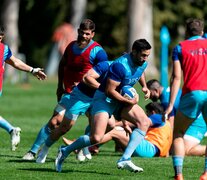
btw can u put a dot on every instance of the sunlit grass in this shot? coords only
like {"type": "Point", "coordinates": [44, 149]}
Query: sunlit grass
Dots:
{"type": "Point", "coordinates": [30, 106]}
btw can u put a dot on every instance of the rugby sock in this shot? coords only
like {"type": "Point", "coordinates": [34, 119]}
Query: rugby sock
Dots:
{"type": "Point", "coordinates": [49, 142]}
{"type": "Point", "coordinates": [205, 170]}
{"type": "Point", "coordinates": [41, 137]}
{"type": "Point", "coordinates": [6, 125]}
{"type": "Point", "coordinates": [178, 164]}
{"type": "Point", "coordinates": [86, 149]}
{"type": "Point", "coordinates": [88, 129]}
{"type": "Point", "coordinates": [136, 137]}
{"type": "Point", "coordinates": [81, 142]}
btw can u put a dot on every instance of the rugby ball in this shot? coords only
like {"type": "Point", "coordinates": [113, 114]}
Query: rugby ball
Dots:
{"type": "Point", "coordinates": [128, 92]}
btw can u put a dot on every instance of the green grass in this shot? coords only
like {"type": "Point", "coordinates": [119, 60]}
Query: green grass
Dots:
{"type": "Point", "coordinates": [30, 106]}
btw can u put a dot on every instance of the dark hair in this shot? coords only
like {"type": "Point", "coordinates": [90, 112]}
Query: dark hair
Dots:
{"type": "Point", "coordinates": [1, 31]}
{"type": "Point", "coordinates": [140, 45]}
{"type": "Point", "coordinates": [153, 84]}
{"type": "Point", "coordinates": [155, 106]}
{"type": "Point", "coordinates": [87, 24]}
{"type": "Point", "coordinates": [194, 27]}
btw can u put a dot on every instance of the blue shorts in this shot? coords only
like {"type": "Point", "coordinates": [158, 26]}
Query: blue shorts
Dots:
{"type": "Point", "coordinates": [146, 149]}
{"type": "Point", "coordinates": [101, 103]}
{"type": "Point", "coordinates": [196, 130]}
{"type": "Point", "coordinates": [61, 106]}
{"type": "Point", "coordinates": [75, 104]}
{"type": "Point", "coordinates": [193, 103]}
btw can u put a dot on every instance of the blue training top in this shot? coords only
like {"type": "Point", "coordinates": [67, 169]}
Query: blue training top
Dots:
{"type": "Point", "coordinates": [123, 70]}
{"type": "Point", "coordinates": [101, 68]}
{"type": "Point", "coordinates": [7, 53]}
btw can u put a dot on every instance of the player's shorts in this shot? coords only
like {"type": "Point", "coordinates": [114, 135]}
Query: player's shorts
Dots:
{"type": "Point", "coordinates": [61, 106]}
{"type": "Point", "coordinates": [193, 103]}
{"type": "Point", "coordinates": [101, 103]}
{"type": "Point", "coordinates": [146, 149]}
{"type": "Point", "coordinates": [196, 130]}
{"type": "Point", "coordinates": [77, 104]}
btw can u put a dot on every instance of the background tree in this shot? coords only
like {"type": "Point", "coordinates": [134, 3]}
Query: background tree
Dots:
{"type": "Point", "coordinates": [78, 10]}
{"type": "Point", "coordinates": [140, 26]}
{"type": "Point", "coordinates": [38, 20]}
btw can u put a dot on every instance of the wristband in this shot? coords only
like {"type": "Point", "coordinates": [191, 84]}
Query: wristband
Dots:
{"type": "Point", "coordinates": [35, 70]}
{"type": "Point", "coordinates": [32, 70]}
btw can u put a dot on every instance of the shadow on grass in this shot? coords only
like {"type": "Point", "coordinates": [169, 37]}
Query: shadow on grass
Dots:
{"type": "Point", "coordinates": [63, 171]}
{"type": "Point", "coordinates": [108, 153]}
{"type": "Point", "coordinates": [20, 160]}
{"type": "Point", "coordinates": [7, 155]}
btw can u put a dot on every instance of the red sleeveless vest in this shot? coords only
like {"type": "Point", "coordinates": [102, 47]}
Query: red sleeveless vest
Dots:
{"type": "Point", "coordinates": [194, 64]}
{"type": "Point", "coordinates": [1, 66]}
{"type": "Point", "coordinates": [77, 65]}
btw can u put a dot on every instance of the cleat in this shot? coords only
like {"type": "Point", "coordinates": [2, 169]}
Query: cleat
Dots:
{"type": "Point", "coordinates": [128, 165]}
{"type": "Point", "coordinates": [29, 156]}
{"type": "Point", "coordinates": [80, 156]}
{"type": "Point", "coordinates": [15, 138]}
{"type": "Point", "coordinates": [88, 156]}
{"type": "Point", "coordinates": [83, 154]}
{"type": "Point", "coordinates": [59, 160]}
{"type": "Point", "coordinates": [42, 155]}
{"type": "Point", "coordinates": [87, 153]}
{"type": "Point", "coordinates": [178, 177]}
{"type": "Point", "coordinates": [203, 176]}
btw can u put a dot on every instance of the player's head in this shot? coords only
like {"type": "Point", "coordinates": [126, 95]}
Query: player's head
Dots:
{"type": "Point", "coordinates": [194, 27]}
{"type": "Point", "coordinates": [87, 24]}
{"type": "Point", "coordinates": [140, 51]}
{"type": "Point", "coordinates": [1, 33]}
{"type": "Point", "coordinates": [154, 108]}
{"type": "Point", "coordinates": [155, 89]}
{"type": "Point", "coordinates": [86, 32]}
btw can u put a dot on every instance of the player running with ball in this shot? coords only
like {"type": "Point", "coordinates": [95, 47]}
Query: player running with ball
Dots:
{"type": "Point", "coordinates": [127, 70]}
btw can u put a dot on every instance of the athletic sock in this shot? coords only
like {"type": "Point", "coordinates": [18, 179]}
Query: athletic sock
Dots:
{"type": "Point", "coordinates": [205, 169]}
{"type": "Point", "coordinates": [49, 142]}
{"type": "Point", "coordinates": [41, 137]}
{"type": "Point", "coordinates": [88, 129]}
{"type": "Point", "coordinates": [178, 164]}
{"type": "Point", "coordinates": [136, 137]}
{"type": "Point", "coordinates": [6, 125]}
{"type": "Point", "coordinates": [81, 142]}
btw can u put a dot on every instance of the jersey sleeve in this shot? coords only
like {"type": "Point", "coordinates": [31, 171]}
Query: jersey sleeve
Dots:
{"type": "Point", "coordinates": [116, 72]}
{"type": "Point", "coordinates": [101, 67]}
{"type": "Point", "coordinates": [7, 52]}
{"type": "Point", "coordinates": [176, 53]}
{"type": "Point", "coordinates": [98, 54]}
{"type": "Point", "coordinates": [156, 120]}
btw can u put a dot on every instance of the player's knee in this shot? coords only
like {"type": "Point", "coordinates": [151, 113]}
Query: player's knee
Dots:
{"type": "Point", "coordinates": [55, 122]}
{"type": "Point", "coordinates": [96, 139]}
{"type": "Point", "coordinates": [143, 125]}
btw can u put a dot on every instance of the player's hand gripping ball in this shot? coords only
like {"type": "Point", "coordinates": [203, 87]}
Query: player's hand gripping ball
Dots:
{"type": "Point", "coordinates": [128, 92]}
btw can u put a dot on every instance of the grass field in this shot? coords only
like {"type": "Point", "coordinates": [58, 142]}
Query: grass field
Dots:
{"type": "Point", "coordinates": [30, 106]}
